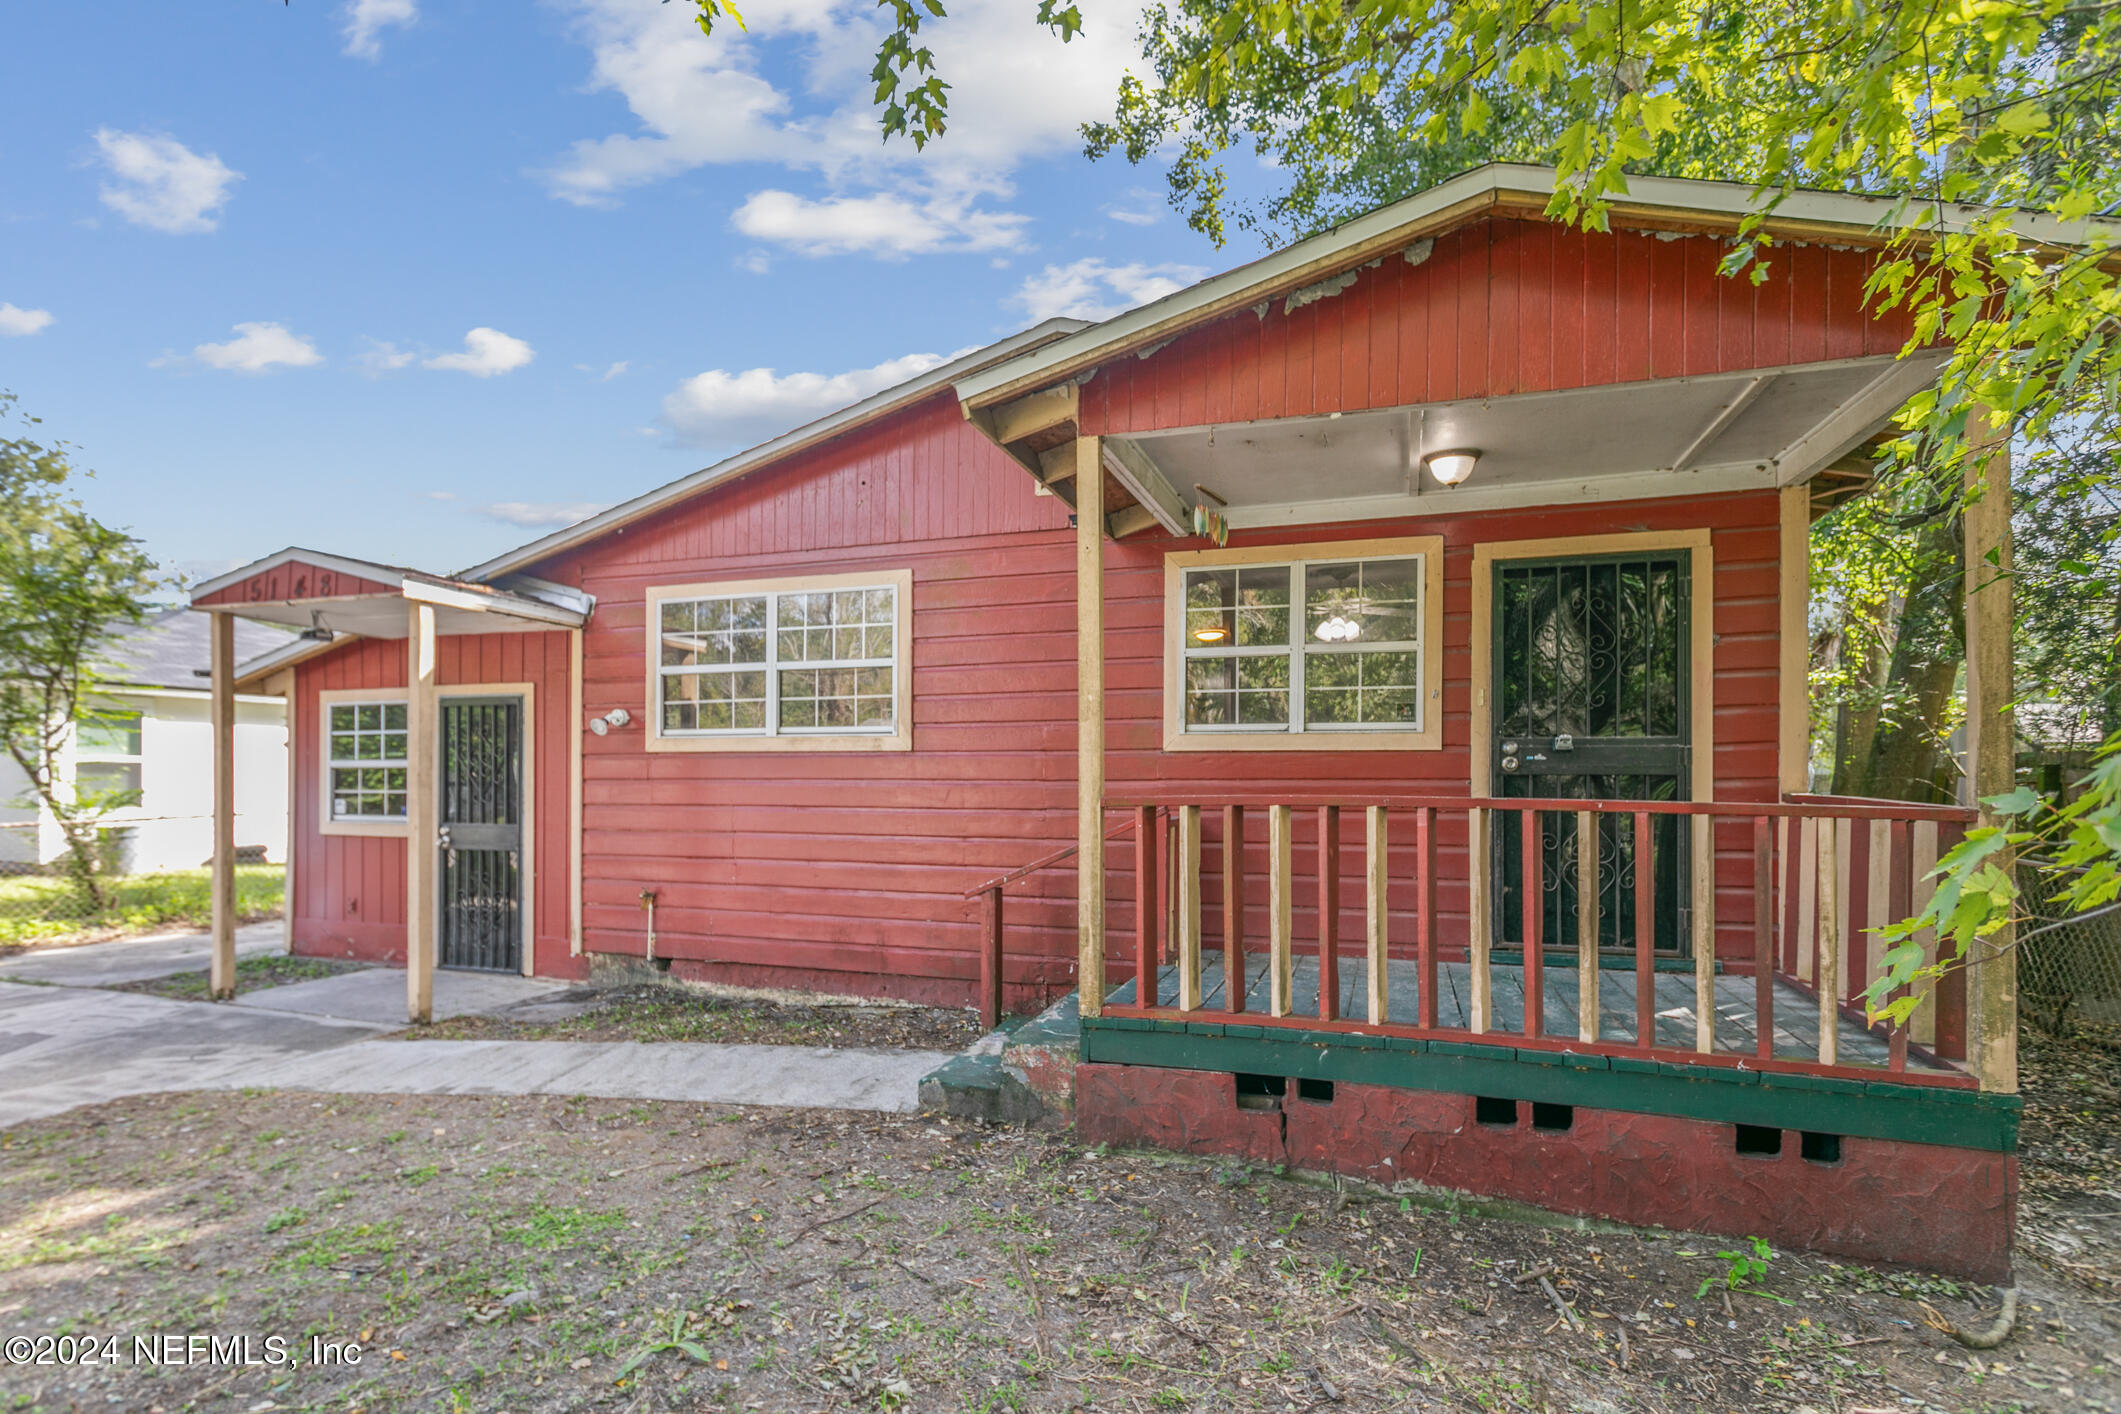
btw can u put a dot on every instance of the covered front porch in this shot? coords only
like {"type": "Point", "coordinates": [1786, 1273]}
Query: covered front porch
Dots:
{"type": "Point", "coordinates": [1442, 588]}
{"type": "Point", "coordinates": [426, 758]}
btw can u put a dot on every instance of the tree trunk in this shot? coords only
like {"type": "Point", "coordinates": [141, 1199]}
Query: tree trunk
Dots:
{"type": "Point", "coordinates": [1899, 752]}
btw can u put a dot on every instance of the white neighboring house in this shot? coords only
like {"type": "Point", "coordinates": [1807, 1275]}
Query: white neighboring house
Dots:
{"type": "Point", "coordinates": [152, 735]}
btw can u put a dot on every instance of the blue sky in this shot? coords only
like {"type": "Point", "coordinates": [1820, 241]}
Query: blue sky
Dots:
{"type": "Point", "coordinates": [416, 280]}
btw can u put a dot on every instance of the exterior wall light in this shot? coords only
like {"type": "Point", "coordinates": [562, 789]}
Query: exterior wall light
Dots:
{"type": "Point", "coordinates": [616, 717]}
{"type": "Point", "coordinates": [1453, 466]}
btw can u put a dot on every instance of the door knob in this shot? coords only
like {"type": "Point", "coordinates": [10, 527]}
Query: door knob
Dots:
{"type": "Point", "coordinates": [1509, 763]}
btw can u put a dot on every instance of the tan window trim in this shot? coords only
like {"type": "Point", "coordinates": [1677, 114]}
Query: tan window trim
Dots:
{"type": "Point", "coordinates": [326, 700]}
{"type": "Point", "coordinates": [899, 738]}
{"type": "Point", "coordinates": [1428, 738]}
{"type": "Point", "coordinates": [1701, 678]}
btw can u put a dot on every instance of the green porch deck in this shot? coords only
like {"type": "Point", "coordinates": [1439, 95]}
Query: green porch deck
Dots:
{"type": "Point", "coordinates": [1728, 1089]}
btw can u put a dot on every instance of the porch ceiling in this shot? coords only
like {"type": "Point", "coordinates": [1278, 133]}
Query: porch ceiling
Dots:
{"type": "Point", "coordinates": [383, 616]}
{"type": "Point", "coordinates": [1673, 436]}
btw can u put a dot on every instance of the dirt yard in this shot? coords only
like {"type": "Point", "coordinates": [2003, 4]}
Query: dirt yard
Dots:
{"type": "Point", "coordinates": [669, 1013]}
{"type": "Point", "coordinates": [543, 1254]}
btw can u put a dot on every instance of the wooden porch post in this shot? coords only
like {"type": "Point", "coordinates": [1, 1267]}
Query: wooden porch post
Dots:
{"type": "Point", "coordinates": [221, 978]}
{"type": "Point", "coordinates": [421, 731]}
{"type": "Point", "coordinates": [1090, 725]}
{"type": "Point", "coordinates": [1793, 734]}
{"type": "Point", "coordinates": [1991, 741]}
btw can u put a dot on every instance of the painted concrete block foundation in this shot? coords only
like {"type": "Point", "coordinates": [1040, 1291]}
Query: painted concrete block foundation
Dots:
{"type": "Point", "coordinates": [1931, 1206]}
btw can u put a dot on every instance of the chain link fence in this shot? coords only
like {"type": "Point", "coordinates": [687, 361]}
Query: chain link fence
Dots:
{"type": "Point", "coordinates": [41, 902]}
{"type": "Point", "coordinates": [2069, 965]}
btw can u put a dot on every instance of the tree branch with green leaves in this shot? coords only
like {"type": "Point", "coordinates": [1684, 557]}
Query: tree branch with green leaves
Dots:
{"type": "Point", "coordinates": [67, 581]}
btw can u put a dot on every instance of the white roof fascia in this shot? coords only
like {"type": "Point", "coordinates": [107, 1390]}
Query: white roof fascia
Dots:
{"type": "Point", "coordinates": [560, 596]}
{"type": "Point", "coordinates": [483, 599]}
{"type": "Point", "coordinates": [1645, 198]}
{"type": "Point", "coordinates": [878, 405]}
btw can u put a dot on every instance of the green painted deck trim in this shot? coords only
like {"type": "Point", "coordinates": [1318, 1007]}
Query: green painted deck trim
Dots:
{"type": "Point", "coordinates": [1919, 1114]}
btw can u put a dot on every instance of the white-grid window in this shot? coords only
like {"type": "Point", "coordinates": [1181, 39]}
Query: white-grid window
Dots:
{"type": "Point", "coordinates": [1304, 646]}
{"type": "Point", "coordinates": [785, 663]}
{"type": "Point", "coordinates": [366, 764]}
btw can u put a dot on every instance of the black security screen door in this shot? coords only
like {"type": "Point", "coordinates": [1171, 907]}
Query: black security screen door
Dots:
{"type": "Point", "coordinates": [1591, 703]}
{"type": "Point", "coordinates": [482, 833]}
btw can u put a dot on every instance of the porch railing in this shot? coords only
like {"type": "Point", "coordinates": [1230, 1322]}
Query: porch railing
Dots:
{"type": "Point", "coordinates": [1781, 903]}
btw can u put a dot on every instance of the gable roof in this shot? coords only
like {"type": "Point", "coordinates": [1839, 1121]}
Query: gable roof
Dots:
{"type": "Point", "coordinates": [1671, 203]}
{"type": "Point", "coordinates": [868, 410]}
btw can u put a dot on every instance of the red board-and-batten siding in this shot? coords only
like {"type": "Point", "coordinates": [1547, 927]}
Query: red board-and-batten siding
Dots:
{"type": "Point", "coordinates": [1496, 307]}
{"type": "Point", "coordinates": [349, 890]}
{"type": "Point", "coordinates": [843, 870]}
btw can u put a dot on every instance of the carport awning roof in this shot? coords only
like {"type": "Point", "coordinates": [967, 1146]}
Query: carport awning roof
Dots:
{"type": "Point", "coordinates": [327, 595]}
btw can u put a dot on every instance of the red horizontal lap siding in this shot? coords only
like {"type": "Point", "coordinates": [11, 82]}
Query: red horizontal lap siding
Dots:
{"type": "Point", "coordinates": [843, 870]}
{"type": "Point", "coordinates": [293, 580]}
{"type": "Point", "coordinates": [1501, 306]}
{"type": "Point", "coordinates": [350, 889]}
{"type": "Point", "coordinates": [1744, 547]}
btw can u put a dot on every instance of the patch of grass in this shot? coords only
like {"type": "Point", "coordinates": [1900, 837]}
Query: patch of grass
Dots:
{"type": "Point", "coordinates": [45, 907]}
{"type": "Point", "coordinates": [546, 1227]}
{"type": "Point", "coordinates": [342, 1247]}
{"type": "Point", "coordinates": [253, 974]}
{"type": "Point", "coordinates": [109, 1240]}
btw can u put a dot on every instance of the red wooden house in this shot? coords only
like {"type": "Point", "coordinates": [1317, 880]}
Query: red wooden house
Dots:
{"type": "Point", "coordinates": [1380, 604]}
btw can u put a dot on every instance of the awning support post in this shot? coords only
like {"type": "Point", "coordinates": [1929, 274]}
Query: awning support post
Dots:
{"type": "Point", "coordinates": [221, 970]}
{"type": "Point", "coordinates": [421, 856]}
{"type": "Point", "coordinates": [1090, 725]}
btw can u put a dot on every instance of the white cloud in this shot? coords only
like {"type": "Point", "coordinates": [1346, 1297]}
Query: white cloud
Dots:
{"type": "Point", "coordinates": [884, 224]}
{"type": "Point", "coordinates": [794, 91]}
{"type": "Point", "coordinates": [160, 183]}
{"type": "Point", "coordinates": [1145, 210]}
{"type": "Point", "coordinates": [719, 408]}
{"type": "Point", "coordinates": [381, 357]}
{"type": "Point", "coordinates": [366, 18]}
{"type": "Point", "coordinates": [542, 515]}
{"type": "Point", "coordinates": [1095, 289]}
{"type": "Point", "coordinates": [256, 348]}
{"type": "Point", "coordinates": [486, 353]}
{"type": "Point", "coordinates": [616, 370]}
{"type": "Point", "coordinates": [21, 323]}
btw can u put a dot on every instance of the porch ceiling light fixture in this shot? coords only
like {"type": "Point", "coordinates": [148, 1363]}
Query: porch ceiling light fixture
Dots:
{"type": "Point", "coordinates": [1454, 466]}
{"type": "Point", "coordinates": [1210, 633]}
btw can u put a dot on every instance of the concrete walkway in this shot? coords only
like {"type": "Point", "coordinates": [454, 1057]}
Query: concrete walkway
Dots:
{"type": "Point", "coordinates": [135, 959]}
{"type": "Point", "coordinates": [72, 1042]}
{"type": "Point", "coordinates": [377, 995]}
{"type": "Point", "coordinates": [796, 1076]}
